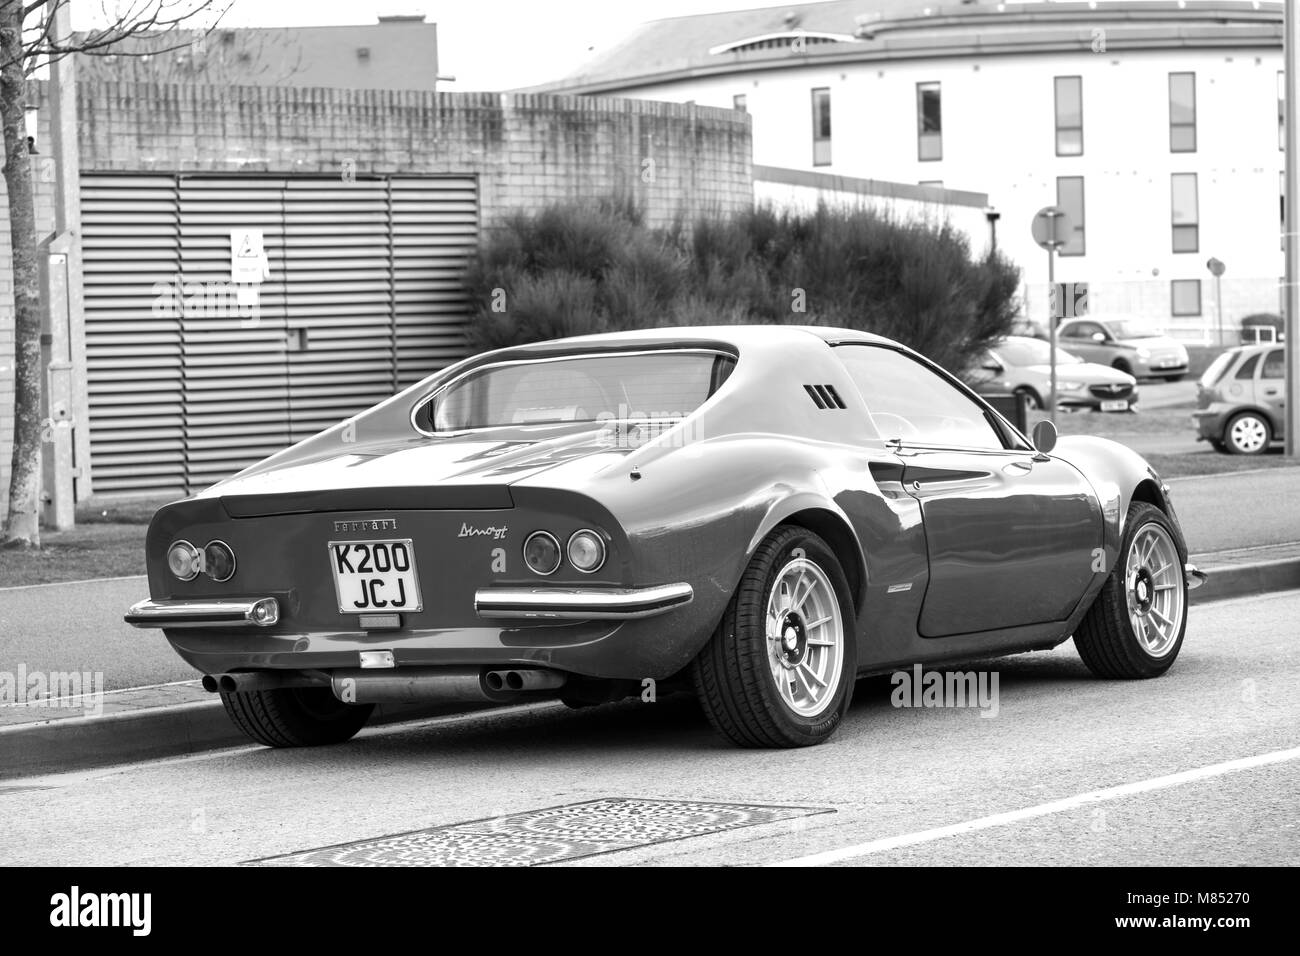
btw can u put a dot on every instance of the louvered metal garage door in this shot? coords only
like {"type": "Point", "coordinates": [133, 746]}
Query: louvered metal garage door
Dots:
{"type": "Point", "coordinates": [365, 296]}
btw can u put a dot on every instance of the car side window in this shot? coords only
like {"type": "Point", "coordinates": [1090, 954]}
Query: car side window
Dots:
{"type": "Point", "coordinates": [1076, 331]}
{"type": "Point", "coordinates": [1247, 369]}
{"type": "Point", "coordinates": [1274, 365]}
{"type": "Point", "coordinates": [910, 402]}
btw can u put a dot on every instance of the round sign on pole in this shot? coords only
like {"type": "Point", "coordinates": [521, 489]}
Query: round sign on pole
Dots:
{"type": "Point", "coordinates": [1216, 267]}
{"type": "Point", "coordinates": [1051, 227]}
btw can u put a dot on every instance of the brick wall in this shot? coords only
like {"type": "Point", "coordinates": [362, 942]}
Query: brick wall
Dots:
{"type": "Point", "coordinates": [528, 150]}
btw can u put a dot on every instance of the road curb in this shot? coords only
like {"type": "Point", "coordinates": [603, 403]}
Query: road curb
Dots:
{"type": "Point", "coordinates": [1242, 580]}
{"type": "Point", "coordinates": [85, 743]}
{"type": "Point", "coordinates": [177, 730]}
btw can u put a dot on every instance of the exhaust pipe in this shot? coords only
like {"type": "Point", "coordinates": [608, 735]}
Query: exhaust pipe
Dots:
{"type": "Point", "coordinates": [244, 681]}
{"type": "Point", "coordinates": [426, 684]}
{"type": "Point", "coordinates": [522, 680]}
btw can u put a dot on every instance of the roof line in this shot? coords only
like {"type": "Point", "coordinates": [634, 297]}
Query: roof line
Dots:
{"type": "Point", "coordinates": [1269, 37]}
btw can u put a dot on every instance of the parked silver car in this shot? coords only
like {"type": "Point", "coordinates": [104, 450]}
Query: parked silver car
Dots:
{"type": "Point", "coordinates": [1021, 365]}
{"type": "Point", "coordinates": [1126, 343]}
{"type": "Point", "coordinates": [1240, 400]}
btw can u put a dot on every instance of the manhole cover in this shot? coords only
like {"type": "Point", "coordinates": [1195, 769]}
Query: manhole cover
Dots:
{"type": "Point", "coordinates": [547, 836]}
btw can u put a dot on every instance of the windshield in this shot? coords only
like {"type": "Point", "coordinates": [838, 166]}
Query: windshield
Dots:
{"type": "Point", "coordinates": [1131, 329]}
{"type": "Point", "coordinates": [1022, 352]}
{"type": "Point", "coordinates": [588, 388]}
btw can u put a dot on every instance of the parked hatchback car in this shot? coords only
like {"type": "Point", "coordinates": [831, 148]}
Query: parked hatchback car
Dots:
{"type": "Point", "coordinates": [1239, 401]}
{"type": "Point", "coordinates": [1021, 365]}
{"type": "Point", "coordinates": [1126, 343]}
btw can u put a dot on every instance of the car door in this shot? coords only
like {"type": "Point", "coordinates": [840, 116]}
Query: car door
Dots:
{"type": "Point", "coordinates": [1077, 339]}
{"type": "Point", "coordinates": [1011, 535]}
{"type": "Point", "coordinates": [1270, 389]}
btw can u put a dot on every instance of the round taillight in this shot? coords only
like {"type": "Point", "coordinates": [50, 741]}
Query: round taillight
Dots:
{"type": "Point", "coordinates": [219, 561]}
{"type": "Point", "coordinates": [184, 560]}
{"type": "Point", "coordinates": [586, 551]}
{"type": "Point", "coordinates": [542, 552]}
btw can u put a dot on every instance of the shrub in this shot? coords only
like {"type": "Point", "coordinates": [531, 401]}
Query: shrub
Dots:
{"type": "Point", "coordinates": [572, 269]}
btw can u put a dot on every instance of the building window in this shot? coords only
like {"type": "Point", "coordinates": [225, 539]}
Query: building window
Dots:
{"type": "Point", "coordinates": [821, 117]}
{"type": "Point", "coordinates": [1069, 116]}
{"type": "Point", "coordinates": [1186, 296]}
{"type": "Point", "coordinates": [1182, 112]}
{"type": "Point", "coordinates": [929, 122]}
{"type": "Point", "coordinates": [1186, 218]}
{"type": "Point", "coordinates": [1069, 196]}
{"type": "Point", "coordinates": [740, 102]}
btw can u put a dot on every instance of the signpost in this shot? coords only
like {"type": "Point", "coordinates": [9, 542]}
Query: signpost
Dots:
{"type": "Point", "coordinates": [1217, 268]}
{"type": "Point", "coordinates": [1051, 230]}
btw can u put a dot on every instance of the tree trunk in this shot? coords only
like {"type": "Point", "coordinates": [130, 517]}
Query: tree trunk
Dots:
{"type": "Point", "coordinates": [23, 528]}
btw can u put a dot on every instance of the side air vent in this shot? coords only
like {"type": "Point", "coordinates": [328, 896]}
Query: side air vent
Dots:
{"type": "Point", "coordinates": [825, 396]}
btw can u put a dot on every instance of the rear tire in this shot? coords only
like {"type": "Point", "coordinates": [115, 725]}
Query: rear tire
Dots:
{"type": "Point", "coordinates": [1135, 627]}
{"type": "Point", "coordinates": [780, 669]}
{"type": "Point", "coordinates": [1247, 434]}
{"type": "Point", "coordinates": [295, 716]}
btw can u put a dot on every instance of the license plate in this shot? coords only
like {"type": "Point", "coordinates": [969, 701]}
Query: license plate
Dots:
{"type": "Point", "coordinates": [375, 576]}
{"type": "Point", "coordinates": [1115, 405]}
{"type": "Point", "coordinates": [1168, 363]}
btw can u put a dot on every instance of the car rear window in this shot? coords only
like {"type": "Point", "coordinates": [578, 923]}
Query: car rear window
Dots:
{"type": "Point", "coordinates": [1247, 370]}
{"type": "Point", "coordinates": [1211, 376]}
{"type": "Point", "coordinates": [661, 385]}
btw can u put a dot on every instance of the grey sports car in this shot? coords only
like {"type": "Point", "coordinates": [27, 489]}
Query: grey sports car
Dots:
{"type": "Point", "coordinates": [758, 514]}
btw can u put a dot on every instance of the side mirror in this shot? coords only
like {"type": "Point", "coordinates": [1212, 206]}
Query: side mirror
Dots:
{"type": "Point", "coordinates": [1044, 436]}
{"type": "Point", "coordinates": [1099, 337]}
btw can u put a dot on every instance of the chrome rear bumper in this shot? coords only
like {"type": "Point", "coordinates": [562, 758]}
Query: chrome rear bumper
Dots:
{"type": "Point", "coordinates": [580, 604]}
{"type": "Point", "coordinates": [220, 612]}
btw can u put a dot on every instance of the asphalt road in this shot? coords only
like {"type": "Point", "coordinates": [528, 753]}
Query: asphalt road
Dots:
{"type": "Point", "coordinates": [1071, 770]}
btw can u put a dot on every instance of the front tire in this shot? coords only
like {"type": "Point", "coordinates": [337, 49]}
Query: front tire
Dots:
{"type": "Point", "coordinates": [780, 669]}
{"type": "Point", "coordinates": [1030, 397]}
{"type": "Point", "coordinates": [295, 716]}
{"type": "Point", "coordinates": [1135, 627]}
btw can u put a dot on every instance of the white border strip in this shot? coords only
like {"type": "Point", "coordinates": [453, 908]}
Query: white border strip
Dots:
{"type": "Point", "coordinates": [1043, 809]}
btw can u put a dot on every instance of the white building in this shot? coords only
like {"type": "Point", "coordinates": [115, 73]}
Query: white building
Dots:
{"type": "Point", "coordinates": [1156, 125]}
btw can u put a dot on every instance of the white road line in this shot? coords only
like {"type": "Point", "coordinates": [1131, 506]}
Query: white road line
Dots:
{"type": "Point", "coordinates": [56, 584]}
{"type": "Point", "coordinates": [1042, 810]}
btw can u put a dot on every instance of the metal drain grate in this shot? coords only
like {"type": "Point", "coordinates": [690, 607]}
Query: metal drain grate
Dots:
{"type": "Point", "coordinates": [547, 836]}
